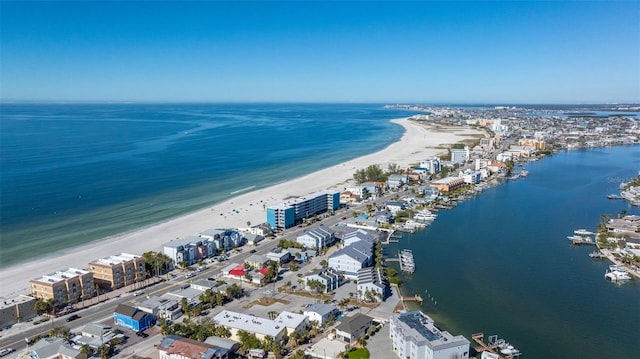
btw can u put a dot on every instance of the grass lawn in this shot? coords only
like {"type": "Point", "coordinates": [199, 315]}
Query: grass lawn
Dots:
{"type": "Point", "coordinates": [360, 353]}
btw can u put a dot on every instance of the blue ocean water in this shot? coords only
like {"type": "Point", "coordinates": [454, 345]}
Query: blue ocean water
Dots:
{"type": "Point", "coordinates": [501, 263]}
{"type": "Point", "coordinates": [75, 173]}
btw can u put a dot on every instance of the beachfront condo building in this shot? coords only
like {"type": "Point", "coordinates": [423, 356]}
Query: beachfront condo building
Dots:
{"type": "Point", "coordinates": [293, 211]}
{"type": "Point", "coordinates": [459, 155]}
{"type": "Point", "coordinates": [117, 271]}
{"type": "Point", "coordinates": [415, 336]}
{"type": "Point", "coordinates": [64, 287]}
{"type": "Point", "coordinates": [16, 309]}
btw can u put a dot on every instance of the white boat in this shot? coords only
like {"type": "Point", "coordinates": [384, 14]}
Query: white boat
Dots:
{"type": "Point", "coordinates": [617, 275]}
{"type": "Point", "coordinates": [425, 216]}
{"type": "Point", "coordinates": [617, 267]}
{"type": "Point", "coordinates": [583, 232]}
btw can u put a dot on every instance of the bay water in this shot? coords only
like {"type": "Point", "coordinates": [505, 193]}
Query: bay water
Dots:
{"type": "Point", "coordinates": [501, 263]}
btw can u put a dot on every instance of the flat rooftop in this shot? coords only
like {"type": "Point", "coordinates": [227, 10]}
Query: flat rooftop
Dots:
{"type": "Point", "coordinates": [61, 275]}
{"type": "Point", "coordinates": [249, 323]}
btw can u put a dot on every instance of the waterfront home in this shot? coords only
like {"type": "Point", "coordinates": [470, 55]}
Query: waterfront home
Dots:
{"type": "Point", "coordinates": [471, 177]}
{"type": "Point", "coordinates": [130, 317]}
{"type": "Point", "coordinates": [372, 285]}
{"type": "Point", "coordinates": [262, 229]}
{"type": "Point", "coordinates": [395, 206]}
{"type": "Point", "coordinates": [415, 336]}
{"type": "Point", "coordinates": [320, 313]}
{"type": "Point", "coordinates": [357, 234]}
{"type": "Point", "coordinates": [317, 238]}
{"type": "Point", "coordinates": [117, 271]}
{"type": "Point", "coordinates": [66, 286]}
{"type": "Point", "coordinates": [353, 327]}
{"type": "Point", "coordinates": [16, 309]}
{"type": "Point", "coordinates": [291, 212]}
{"type": "Point", "coordinates": [55, 348]}
{"type": "Point", "coordinates": [176, 347]}
{"type": "Point", "coordinates": [328, 277]}
{"type": "Point", "coordinates": [504, 156]}
{"type": "Point", "coordinates": [260, 327]}
{"type": "Point", "coordinates": [384, 217]}
{"type": "Point", "coordinates": [447, 184]}
{"type": "Point", "coordinates": [350, 259]}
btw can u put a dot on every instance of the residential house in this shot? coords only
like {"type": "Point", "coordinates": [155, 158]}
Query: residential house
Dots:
{"type": "Point", "coordinates": [132, 318]}
{"type": "Point", "coordinates": [372, 189]}
{"type": "Point", "coordinates": [321, 313]}
{"type": "Point", "coordinates": [372, 285]}
{"type": "Point", "coordinates": [253, 239]}
{"type": "Point", "coordinates": [350, 259]}
{"type": "Point", "coordinates": [328, 277]}
{"type": "Point", "coordinates": [176, 347]}
{"type": "Point", "coordinates": [317, 238]}
{"type": "Point", "coordinates": [397, 180]}
{"type": "Point", "coordinates": [383, 217]}
{"type": "Point", "coordinates": [353, 327]}
{"type": "Point", "coordinates": [279, 255]}
{"type": "Point", "coordinates": [55, 348]}
{"type": "Point", "coordinates": [415, 336]}
{"type": "Point", "coordinates": [396, 206]}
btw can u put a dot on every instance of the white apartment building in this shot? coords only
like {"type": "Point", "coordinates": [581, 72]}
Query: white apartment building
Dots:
{"type": "Point", "coordinates": [415, 336]}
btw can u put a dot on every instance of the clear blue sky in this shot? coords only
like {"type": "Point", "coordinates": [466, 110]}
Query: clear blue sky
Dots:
{"type": "Point", "coordinates": [307, 51]}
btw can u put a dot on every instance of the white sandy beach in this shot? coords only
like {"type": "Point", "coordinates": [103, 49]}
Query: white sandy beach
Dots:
{"type": "Point", "coordinates": [417, 143]}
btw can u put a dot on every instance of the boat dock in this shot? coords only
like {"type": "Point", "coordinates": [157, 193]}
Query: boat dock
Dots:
{"type": "Point", "coordinates": [582, 236]}
{"type": "Point", "coordinates": [407, 264]}
{"type": "Point", "coordinates": [415, 298]}
{"type": "Point", "coordinates": [495, 346]}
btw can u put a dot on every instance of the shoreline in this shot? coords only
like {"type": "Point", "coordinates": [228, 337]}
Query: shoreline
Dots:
{"type": "Point", "coordinates": [418, 142]}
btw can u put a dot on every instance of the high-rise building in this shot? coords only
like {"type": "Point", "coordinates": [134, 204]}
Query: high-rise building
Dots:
{"type": "Point", "coordinates": [293, 211]}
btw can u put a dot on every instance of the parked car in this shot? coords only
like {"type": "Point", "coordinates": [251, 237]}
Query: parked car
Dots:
{"type": "Point", "coordinates": [73, 317]}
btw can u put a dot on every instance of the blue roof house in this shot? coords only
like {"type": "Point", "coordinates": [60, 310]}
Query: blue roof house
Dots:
{"type": "Point", "coordinates": [132, 318]}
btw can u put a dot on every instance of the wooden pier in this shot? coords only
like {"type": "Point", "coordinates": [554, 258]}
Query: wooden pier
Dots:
{"type": "Point", "coordinates": [415, 298]}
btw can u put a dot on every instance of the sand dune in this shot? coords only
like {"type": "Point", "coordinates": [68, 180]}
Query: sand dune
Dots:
{"type": "Point", "coordinates": [417, 143]}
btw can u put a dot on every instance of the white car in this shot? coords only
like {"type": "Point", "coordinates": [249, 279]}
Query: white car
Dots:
{"type": "Point", "coordinates": [6, 351]}
{"type": "Point", "coordinates": [137, 293]}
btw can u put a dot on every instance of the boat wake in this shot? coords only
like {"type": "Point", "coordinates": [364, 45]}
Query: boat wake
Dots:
{"type": "Point", "coordinates": [243, 190]}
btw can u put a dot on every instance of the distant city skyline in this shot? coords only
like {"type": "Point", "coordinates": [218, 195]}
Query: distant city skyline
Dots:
{"type": "Point", "coordinates": [512, 52]}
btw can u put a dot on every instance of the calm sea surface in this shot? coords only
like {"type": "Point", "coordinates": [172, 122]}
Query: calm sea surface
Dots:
{"type": "Point", "coordinates": [75, 173]}
{"type": "Point", "coordinates": [502, 264]}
